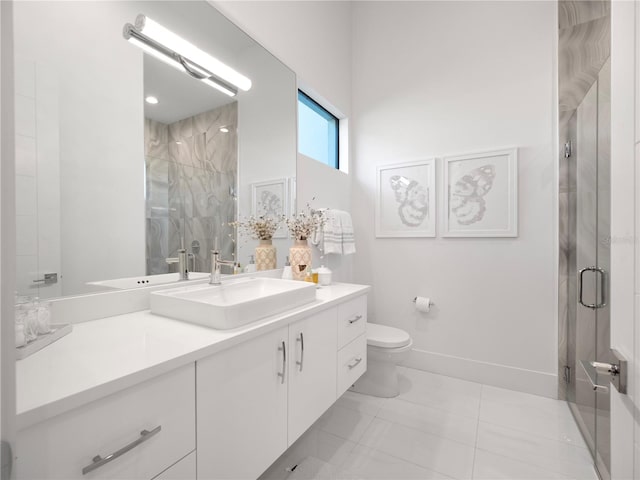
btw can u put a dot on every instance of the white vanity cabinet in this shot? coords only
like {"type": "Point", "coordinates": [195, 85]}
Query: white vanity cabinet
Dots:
{"type": "Point", "coordinates": [242, 407]}
{"type": "Point", "coordinates": [156, 419]}
{"type": "Point", "coordinates": [312, 370]}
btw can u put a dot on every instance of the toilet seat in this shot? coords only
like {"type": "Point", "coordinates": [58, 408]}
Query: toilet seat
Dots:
{"type": "Point", "coordinates": [383, 336]}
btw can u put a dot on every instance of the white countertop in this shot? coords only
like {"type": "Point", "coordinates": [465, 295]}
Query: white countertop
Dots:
{"type": "Point", "coordinates": [101, 357]}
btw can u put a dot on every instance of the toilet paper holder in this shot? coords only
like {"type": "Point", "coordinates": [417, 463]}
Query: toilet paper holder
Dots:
{"type": "Point", "coordinates": [431, 304]}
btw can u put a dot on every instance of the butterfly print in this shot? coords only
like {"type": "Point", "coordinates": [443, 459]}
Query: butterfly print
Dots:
{"type": "Point", "coordinates": [466, 194]}
{"type": "Point", "coordinates": [413, 199]}
{"type": "Point", "coordinates": [270, 203]}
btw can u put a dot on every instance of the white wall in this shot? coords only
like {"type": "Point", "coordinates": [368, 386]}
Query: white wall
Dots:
{"type": "Point", "coordinates": [435, 78]}
{"type": "Point", "coordinates": [314, 39]}
{"type": "Point", "coordinates": [625, 211]}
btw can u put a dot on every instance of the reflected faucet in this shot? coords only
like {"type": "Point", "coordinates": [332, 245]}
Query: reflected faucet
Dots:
{"type": "Point", "coordinates": [215, 267]}
{"type": "Point", "coordinates": [181, 260]}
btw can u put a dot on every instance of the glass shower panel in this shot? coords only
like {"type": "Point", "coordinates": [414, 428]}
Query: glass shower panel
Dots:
{"type": "Point", "coordinates": [581, 396]}
{"type": "Point", "coordinates": [603, 325]}
{"type": "Point", "coordinates": [588, 327]}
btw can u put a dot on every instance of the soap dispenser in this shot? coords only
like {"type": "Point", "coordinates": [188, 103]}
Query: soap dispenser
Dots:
{"type": "Point", "coordinates": [251, 267]}
{"type": "Point", "coordinates": [287, 273]}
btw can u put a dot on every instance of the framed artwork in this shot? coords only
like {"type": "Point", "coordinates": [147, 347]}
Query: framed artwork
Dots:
{"type": "Point", "coordinates": [481, 194]}
{"type": "Point", "coordinates": [270, 199]}
{"type": "Point", "coordinates": [406, 199]}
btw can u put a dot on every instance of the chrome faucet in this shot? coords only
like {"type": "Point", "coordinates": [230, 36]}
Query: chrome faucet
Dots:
{"type": "Point", "coordinates": [181, 260]}
{"type": "Point", "coordinates": [215, 267]}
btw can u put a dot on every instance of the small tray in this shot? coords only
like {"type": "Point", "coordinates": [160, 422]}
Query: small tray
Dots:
{"type": "Point", "coordinates": [58, 330]}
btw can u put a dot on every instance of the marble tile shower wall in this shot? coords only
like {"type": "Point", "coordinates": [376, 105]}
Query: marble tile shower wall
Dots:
{"type": "Point", "coordinates": [583, 48]}
{"type": "Point", "coordinates": [191, 175]}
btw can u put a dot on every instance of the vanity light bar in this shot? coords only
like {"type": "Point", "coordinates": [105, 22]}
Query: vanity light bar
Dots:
{"type": "Point", "coordinates": [166, 37]}
{"type": "Point", "coordinates": [175, 60]}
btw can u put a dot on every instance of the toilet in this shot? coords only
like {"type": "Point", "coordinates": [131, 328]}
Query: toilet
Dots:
{"type": "Point", "coordinates": [386, 347]}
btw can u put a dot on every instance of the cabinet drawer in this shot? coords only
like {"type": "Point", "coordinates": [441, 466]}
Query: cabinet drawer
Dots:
{"type": "Point", "coordinates": [61, 447]}
{"type": "Point", "coordinates": [352, 320]}
{"type": "Point", "coordinates": [352, 362]}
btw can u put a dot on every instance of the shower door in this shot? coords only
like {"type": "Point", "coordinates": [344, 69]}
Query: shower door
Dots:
{"type": "Point", "coordinates": [589, 264]}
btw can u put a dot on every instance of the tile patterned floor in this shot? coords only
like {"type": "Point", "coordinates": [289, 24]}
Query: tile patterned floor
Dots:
{"type": "Point", "coordinates": [439, 428]}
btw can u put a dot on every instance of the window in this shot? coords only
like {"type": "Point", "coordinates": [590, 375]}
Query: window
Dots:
{"type": "Point", "coordinates": [317, 131]}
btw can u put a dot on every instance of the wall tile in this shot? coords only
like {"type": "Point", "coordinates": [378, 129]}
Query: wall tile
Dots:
{"type": "Point", "coordinates": [25, 82]}
{"type": "Point", "coordinates": [25, 114]}
{"type": "Point", "coordinates": [25, 156]}
{"type": "Point", "coordinates": [26, 195]}
{"type": "Point", "coordinates": [26, 235]}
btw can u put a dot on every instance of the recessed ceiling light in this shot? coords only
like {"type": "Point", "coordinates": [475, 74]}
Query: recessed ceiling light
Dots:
{"type": "Point", "coordinates": [178, 143]}
{"type": "Point", "coordinates": [151, 99]}
{"type": "Point", "coordinates": [224, 129]}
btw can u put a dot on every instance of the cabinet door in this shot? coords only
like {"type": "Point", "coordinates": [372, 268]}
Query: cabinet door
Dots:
{"type": "Point", "coordinates": [312, 370]}
{"type": "Point", "coordinates": [242, 408]}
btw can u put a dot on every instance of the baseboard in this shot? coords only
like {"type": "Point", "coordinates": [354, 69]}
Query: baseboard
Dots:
{"type": "Point", "coordinates": [512, 378]}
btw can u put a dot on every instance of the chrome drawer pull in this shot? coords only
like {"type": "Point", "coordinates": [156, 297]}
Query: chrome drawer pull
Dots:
{"type": "Point", "coordinates": [355, 363]}
{"type": "Point", "coordinates": [355, 319]}
{"type": "Point", "coordinates": [98, 461]}
{"type": "Point", "coordinates": [283, 349]}
{"type": "Point", "coordinates": [301, 340]}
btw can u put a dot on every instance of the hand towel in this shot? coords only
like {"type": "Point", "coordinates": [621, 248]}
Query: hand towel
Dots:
{"type": "Point", "coordinates": [348, 238]}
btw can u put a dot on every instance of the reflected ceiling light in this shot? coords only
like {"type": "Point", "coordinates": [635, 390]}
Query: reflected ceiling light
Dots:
{"type": "Point", "coordinates": [175, 51]}
{"type": "Point", "coordinates": [224, 129]}
{"type": "Point", "coordinates": [151, 99]}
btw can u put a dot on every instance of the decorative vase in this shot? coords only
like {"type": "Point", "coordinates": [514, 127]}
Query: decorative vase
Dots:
{"type": "Point", "coordinates": [300, 258]}
{"type": "Point", "coordinates": [265, 255]}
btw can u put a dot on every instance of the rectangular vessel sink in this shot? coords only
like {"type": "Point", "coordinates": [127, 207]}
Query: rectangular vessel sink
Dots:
{"type": "Point", "coordinates": [232, 304]}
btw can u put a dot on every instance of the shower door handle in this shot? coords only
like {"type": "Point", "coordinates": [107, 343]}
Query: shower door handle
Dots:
{"type": "Point", "coordinates": [603, 297]}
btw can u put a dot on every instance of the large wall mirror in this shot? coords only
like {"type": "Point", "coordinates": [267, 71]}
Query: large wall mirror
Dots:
{"type": "Point", "coordinates": [109, 186]}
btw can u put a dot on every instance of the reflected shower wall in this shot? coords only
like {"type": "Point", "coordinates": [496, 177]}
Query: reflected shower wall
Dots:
{"type": "Point", "coordinates": [191, 178]}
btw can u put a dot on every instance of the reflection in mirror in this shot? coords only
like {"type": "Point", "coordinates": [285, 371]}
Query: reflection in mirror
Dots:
{"type": "Point", "coordinates": [109, 186]}
{"type": "Point", "coordinates": [191, 164]}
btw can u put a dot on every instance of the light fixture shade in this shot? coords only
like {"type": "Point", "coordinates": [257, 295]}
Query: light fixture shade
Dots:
{"type": "Point", "coordinates": [163, 57]}
{"type": "Point", "coordinates": [166, 37]}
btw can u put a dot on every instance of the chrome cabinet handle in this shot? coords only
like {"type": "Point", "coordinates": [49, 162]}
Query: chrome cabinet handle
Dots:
{"type": "Point", "coordinates": [283, 349]}
{"type": "Point", "coordinates": [355, 363]}
{"type": "Point", "coordinates": [355, 319]}
{"type": "Point", "coordinates": [98, 461]}
{"type": "Point", "coordinates": [603, 297]}
{"type": "Point", "coordinates": [301, 340]}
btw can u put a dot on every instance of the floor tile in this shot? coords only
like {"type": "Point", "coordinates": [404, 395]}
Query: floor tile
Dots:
{"type": "Point", "coordinates": [361, 403]}
{"type": "Point", "coordinates": [451, 394]}
{"type": "Point", "coordinates": [551, 455]}
{"type": "Point", "coordinates": [344, 422]}
{"type": "Point", "coordinates": [367, 463]}
{"type": "Point", "coordinates": [331, 449]}
{"type": "Point", "coordinates": [490, 466]}
{"type": "Point", "coordinates": [430, 420]}
{"type": "Point", "coordinates": [529, 413]}
{"type": "Point", "coordinates": [429, 451]}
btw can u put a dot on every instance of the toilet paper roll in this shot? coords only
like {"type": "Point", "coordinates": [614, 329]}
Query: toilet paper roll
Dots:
{"type": "Point", "coordinates": [423, 304]}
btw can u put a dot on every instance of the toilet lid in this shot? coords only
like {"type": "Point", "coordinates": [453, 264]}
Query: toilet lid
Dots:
{"type": "Point", "coordinates": [387, 337]}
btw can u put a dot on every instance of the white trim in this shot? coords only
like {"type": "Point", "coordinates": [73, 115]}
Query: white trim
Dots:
{"type": "Point", "coordinates": [504, 376]}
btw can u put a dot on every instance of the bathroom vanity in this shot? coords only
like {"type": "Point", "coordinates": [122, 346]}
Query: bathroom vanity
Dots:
{"type": "Point", "coordinates": [131, 396]}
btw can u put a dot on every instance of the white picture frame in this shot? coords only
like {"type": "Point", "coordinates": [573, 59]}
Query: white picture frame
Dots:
{"type": "Point", "coordinates": [293, 196]}
{"type": "Point", "coordinates": [480, 193]}
{"type": "Point", "coordinates": [271, 198]}
{"type": "Point", "coordinates": [406, 199]}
